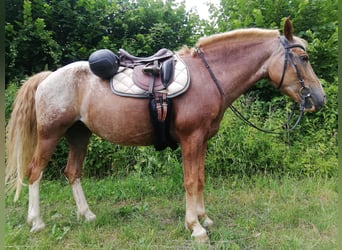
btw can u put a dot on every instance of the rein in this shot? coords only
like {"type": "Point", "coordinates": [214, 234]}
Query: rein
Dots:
{"type": "Point", "coordinates": [304, 92]}
{"type": "Point", "coordinates": [217, 83]}
{"type": "Point", "coordinates": [271, 131]}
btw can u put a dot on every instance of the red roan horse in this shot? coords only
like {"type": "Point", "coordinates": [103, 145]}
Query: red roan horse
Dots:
{"type": "Point", "coordinates": [73, 102]}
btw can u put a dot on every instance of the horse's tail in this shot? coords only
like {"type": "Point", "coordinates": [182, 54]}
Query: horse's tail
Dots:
{"type": "Point", "coordinates": [21, 136]}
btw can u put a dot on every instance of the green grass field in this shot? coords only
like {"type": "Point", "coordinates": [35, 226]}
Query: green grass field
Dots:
{"type": "Point", "coordinates": [141, 212]}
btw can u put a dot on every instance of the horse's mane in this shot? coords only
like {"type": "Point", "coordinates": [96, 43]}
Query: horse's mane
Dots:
{"type": "Point", "coordinates": [239, 35]}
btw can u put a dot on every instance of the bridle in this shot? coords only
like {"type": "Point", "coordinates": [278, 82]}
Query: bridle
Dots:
{"type": "Point", "coordinates": [304, 91]}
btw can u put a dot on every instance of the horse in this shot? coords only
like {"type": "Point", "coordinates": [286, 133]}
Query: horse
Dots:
{"type": "Point", "coordinates": [72, 102]}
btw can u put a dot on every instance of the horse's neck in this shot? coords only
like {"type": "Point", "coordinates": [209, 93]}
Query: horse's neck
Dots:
{"type": "Point", "coordinates": [240, 66]}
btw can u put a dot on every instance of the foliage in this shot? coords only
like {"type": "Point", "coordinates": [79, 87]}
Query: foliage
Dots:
{"type": "Point", "coordinates": [30, 47]}
{"type": "Point", "coordinates": [310, 149]}
{"type": "Point", "coordinates": [48, 34]}
{"type": "Point", "coordinates": [44, 34]}
{"type": "Point", "coordinates": [10, 94]}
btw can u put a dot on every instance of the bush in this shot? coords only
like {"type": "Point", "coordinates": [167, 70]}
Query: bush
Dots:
{"type": "Point", "coordinates": [310, 149]}
{"type": "Point", "coordinates": [10, 94]}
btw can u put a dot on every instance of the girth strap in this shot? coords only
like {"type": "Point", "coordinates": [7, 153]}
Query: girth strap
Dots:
{"type": "Point", "coordinates": [161, 106]}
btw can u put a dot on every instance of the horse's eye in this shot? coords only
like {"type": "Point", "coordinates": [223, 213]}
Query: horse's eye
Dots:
{"type": "Point", "coordinates": [304, 58]}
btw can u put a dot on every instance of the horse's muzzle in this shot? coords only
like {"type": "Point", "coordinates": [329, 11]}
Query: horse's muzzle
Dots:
{"type": "Point", "coordinates": [314, 102]}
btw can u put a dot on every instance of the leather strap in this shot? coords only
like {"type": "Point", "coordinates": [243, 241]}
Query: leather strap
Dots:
{"type": "Point", "coordinates": [161, 106]}
{"type": "Point", "coordinates": [217, 83]}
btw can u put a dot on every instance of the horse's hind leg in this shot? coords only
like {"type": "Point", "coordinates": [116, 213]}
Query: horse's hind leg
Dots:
{"type": "Point", "coordinates": [78, 137]}
{"type": "Point", "coordinates": [43, 152]}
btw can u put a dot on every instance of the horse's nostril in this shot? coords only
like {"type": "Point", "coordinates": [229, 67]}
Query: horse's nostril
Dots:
{"type": "Point", "coordinates": [320, 105]}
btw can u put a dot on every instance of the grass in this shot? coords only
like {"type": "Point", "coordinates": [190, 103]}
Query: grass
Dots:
{"type": "Point", "coordinates": [143, 212]}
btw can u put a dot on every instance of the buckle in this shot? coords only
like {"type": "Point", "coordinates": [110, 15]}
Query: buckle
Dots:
{"type": "Point", "coordinates": [305, 92]}
{"type": "Point", "coordinates": [152, 68]}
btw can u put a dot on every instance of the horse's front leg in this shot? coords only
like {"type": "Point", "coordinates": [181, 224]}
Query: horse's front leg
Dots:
{"type": "Point", "coordinates": [193, 154]}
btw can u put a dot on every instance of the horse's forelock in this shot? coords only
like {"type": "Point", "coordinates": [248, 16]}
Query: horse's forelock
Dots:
{"type": "Point", "coordinates": [301, 41]}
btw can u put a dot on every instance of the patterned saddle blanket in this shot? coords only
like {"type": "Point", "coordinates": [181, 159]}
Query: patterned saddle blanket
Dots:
{"type": "Point", "coordinates": [123, 83]}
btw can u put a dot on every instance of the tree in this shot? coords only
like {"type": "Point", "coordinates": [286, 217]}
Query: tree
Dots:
{"type": "Point", "coordinates": [42, 34]}
{"type": "Point", "coordinates": [29, 45]}
{"type": "Point", "coordinates": [315, 21]}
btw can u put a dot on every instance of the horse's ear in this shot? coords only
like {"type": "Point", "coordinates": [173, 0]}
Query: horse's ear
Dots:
{"type": "Point", "coordinates": [288, 29]}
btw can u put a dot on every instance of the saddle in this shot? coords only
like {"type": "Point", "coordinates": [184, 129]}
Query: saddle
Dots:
{"type": "Point", "coordinates": [154, 74]}
{"type": "Point", "coordinates": [126, 59]}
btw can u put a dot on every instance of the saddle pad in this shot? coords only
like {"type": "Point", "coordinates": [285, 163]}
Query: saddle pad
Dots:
{"type": "Point", "coordinates": [122, 83]}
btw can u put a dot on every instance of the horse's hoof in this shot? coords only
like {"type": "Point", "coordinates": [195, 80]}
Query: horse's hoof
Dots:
{"type": "Point", "coordinates": [37, 226]}
{"type": "Point", "coordinates": [200, 236]}
{"type": "Point", "coordinates": [207, 223]}
{"type": "Point", "coordinates": [90, 216]}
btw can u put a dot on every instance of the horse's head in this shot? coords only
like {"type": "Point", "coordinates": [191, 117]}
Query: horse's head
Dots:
{"type": "Point", "coordinates": [291, 72]}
